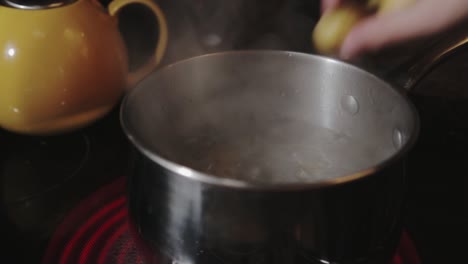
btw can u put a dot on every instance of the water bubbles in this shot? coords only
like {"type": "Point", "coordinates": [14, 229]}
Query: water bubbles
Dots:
{"type": "Point", "coordinates": [301, 174]}
{"type": "Point", "coordinates": [288, 152]}
{"type": "Point", "coordinates": [350, 104]}
{"type": "Point", "coordinates": [397, 138]}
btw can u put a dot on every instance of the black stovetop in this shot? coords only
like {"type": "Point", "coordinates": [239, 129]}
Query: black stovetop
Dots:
{"type": "Point", "coordinates": [43, 179]}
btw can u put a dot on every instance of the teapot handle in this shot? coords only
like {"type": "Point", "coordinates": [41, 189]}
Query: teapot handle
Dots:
{"type": "Point", "coordinates": [134, 77]}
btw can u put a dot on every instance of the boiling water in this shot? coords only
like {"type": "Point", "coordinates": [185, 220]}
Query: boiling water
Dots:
{"type": "Point", "coordinates": [282, 154]}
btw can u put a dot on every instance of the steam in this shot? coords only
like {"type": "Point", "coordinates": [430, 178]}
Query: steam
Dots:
{"type": "Point", "coordinates": [206, 26]}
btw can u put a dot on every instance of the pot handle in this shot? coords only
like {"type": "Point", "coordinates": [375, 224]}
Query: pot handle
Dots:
{"type": "Point", "coordinates": [134, 77]}
{"type": "Point", "coordinates": [410, 72]}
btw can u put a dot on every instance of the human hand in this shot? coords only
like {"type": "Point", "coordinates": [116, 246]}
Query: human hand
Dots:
{"type": "Point", "coordinates": [419, 19]}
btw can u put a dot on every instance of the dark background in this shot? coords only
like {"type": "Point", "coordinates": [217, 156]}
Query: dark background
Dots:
{"type": "Point", "coordinates": [42, 179]}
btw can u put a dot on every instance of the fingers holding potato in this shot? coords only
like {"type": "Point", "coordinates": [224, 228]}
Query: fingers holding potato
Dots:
{"type": "Point", "coordinates": [333, 27]}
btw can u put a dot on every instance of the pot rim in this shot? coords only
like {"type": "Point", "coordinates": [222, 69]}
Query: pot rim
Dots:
{"type": "Point", "coordinates": [181, 170]}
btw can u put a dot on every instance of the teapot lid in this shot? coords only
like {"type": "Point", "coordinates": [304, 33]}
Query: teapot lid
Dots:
{"type": "Point", "coordinates": [35, 4]}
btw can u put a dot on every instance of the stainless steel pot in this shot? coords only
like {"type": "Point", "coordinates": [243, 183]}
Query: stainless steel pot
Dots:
{"type": "Point", "coordinates": [267, 157]}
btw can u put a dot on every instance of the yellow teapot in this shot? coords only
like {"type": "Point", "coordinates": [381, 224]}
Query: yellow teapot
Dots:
{"type": "Point", "coordinates": [63, 63]}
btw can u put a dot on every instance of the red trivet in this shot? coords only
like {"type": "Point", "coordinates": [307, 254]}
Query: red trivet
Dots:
{"type": "Point", "coordinates": [97, 232]}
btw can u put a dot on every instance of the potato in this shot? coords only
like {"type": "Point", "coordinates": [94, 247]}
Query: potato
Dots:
{"type": "Point", "coordinates": [333, 27]}
{"type": "Point", "coordinates": [393, 5]}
